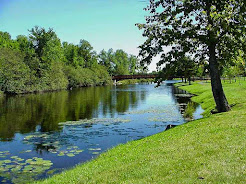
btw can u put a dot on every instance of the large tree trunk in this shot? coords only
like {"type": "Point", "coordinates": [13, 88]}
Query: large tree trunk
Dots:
{"type": "Point", "coordinates": [218, 92]}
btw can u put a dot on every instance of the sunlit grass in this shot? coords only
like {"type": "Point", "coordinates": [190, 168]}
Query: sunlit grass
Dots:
{"type": "Point", "coordinates": [209, 150]}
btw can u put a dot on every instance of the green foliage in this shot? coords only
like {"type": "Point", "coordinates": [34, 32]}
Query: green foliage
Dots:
{"type": "Point", "coordinates": [52, 79]}
{"type": "Point", "coordinates": [11, 168]}
{"type": "Point", "coordinates": [118, 62]}
{"type": "Point", "coordinates": [86, 52]}
{"type": "Point", "coordinates": [15, 76]}
{"type": "Point", "coordinates": [122, 63]}
{"type": "Point", "coordinates": [183, 67]}
{"type": "Point", "coordinates": [134, 81]}
{"type": "Point", "coordinates": [25, 45]}
{"type": "Point", "coordinates": [79, 77]}
{"type": "Point", "coordinates": [41, 39]}
{"type": "Point", "coordinates": [102, 76]}
{"type": "Point", "coordinates": [213, 30]}
{"type": "Point", "coordinates": [40, 62]}
{"type": "Point", "coordinates": [7, 42]}
{"type": "Point", "coordinates": [72, 56]}
{"type": "Point", "coordinates": [191, 27]}
{"type": "Point", "coordinates": [236, 67]}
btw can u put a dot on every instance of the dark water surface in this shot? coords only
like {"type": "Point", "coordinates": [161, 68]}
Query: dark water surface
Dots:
{"type": "Point", "coordinates": [43, 134]}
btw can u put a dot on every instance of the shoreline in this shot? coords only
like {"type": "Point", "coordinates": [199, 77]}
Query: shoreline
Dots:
{"type": "Point", "coordinates": [125, 82]}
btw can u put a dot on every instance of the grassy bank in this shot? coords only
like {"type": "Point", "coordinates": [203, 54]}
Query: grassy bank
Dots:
{"type": "Point", "coordinates": [210, 150]}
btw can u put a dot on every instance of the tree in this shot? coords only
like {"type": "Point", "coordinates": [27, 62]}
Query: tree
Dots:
{"type": "Point", "coordinates": [87, 53]}
{"type": "Point", "coordinates": [7, 42]}
{"type": "Point", "coordinates": [133, 60]}
{"type": "Point", "coordinates": [25, 45]}
{"type": "Point", "coordinates": [187, 67]}
{"type": "Point", "coordinates": [122, 62]}
{"type": "Point", "coordinates": [211, 29]}
{"type": "Point", "coordinates": [47, 48]}
{"type": "Point", "coordinates": [40, 38]}
{"type": "Point", "coordinates": [104, 59]}
{"type": "Point", "coordinates": [112, 60]}
{"type": "Point", "coordinates": [184, 68]}
{"type": "Point", "coordinates": [235, 68]}
{"type": "Point", "coordinates": [15, 76]}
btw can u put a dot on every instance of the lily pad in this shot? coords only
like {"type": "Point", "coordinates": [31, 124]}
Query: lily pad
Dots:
{"type": "Point", "coordinates": [61, 154]}
{"type": "Point", "coordinates": [94, 149]}
{"type": "Point", "coordinates": [95, 121]}
{"type": "Point", "coordinates": [70, 155]}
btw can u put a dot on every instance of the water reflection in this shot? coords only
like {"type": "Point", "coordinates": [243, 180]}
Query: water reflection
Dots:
{"type": "Point", "coordinates": [71, 127]}
{"type": "Point", "coordinates": [23, 113]}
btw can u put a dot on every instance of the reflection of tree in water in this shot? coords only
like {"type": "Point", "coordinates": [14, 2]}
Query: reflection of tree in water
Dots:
{"type": "Point", "coordinates": [40, 148]}
{"type": "Point", "coordinates": [123, 101]}
{"type": "Point", "coordinates": [23, 113]}
{"type": "Point", "coordinates": [183, 99]}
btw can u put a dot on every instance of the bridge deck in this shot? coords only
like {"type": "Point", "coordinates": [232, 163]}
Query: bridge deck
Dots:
{"type": "Point", "coordinates": [122, 77]}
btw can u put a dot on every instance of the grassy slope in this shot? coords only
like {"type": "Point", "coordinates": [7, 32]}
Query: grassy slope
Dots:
{"type": "Point", "coordinates": [212, 148]}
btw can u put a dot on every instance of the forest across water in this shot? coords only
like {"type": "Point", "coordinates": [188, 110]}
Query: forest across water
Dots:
{"type": "Point", "coordinates": [41, 62]}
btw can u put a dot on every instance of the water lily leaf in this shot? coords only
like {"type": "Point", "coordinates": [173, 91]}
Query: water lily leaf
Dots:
{"type": "Point", "coordinates": [79, 151]}
{"type": "Point", "coordinates": [70, 155]}
{"type": "Point", "coordinates": [7, 161]}
{"type": "Point", "coordinates": [14, 157]}
{"type": "Point", "coordinates": [61, 154]}
{"type": "Point", "coordinates": [94, 149]}
{"type": "Point", "coordinates": [95, 121]}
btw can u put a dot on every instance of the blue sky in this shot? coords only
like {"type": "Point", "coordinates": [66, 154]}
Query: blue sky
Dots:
{"type": "Point", "coordinates": [104, 23]}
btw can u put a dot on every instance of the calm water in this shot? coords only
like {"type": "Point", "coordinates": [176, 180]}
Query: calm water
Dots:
{"type": "Point", "coordinates": [43, 134]}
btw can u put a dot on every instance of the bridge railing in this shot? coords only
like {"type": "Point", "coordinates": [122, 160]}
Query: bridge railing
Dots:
{"type": "Point", "coordinates": [122, 77]}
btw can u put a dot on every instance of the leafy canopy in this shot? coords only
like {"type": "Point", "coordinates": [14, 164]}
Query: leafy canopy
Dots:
{"type": "Point", "coordinates": [191, 26]}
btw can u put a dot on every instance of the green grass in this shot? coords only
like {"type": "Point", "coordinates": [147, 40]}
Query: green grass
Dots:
{"type": "Point", "coordinates": [210, 150]}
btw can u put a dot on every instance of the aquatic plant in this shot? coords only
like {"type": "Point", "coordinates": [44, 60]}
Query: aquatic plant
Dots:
{"type": "Point", "coordinates": [16, 169]}
{"type": "Point", "coordinates": [3, 154]}
{"type": "Point", "coordinates": [155, 110]}
{"type": "Point", "coordinates": [95, 121]}
{"type": "Point", "coordinates": [60, 147]}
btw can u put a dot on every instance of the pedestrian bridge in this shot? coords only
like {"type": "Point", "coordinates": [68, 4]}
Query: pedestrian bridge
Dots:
{"type": "Point", "coordinates": [124, 77]}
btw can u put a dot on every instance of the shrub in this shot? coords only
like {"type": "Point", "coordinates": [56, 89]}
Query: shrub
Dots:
{"type": "Point", "coordinates": [15, 76]}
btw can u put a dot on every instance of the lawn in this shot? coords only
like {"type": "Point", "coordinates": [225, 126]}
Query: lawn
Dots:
{"type": "Point", "coordinates": [210, 150]}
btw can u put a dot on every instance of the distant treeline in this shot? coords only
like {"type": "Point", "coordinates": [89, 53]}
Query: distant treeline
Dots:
{"type": "Point", "coordinates": [40, 62]}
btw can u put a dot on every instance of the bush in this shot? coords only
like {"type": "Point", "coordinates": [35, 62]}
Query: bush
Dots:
{"type": "Point", "coordinates": [15, 76]}
{"type": "Point", "coordinates": [51, 79]}
{"type": "Point", "coordinates": [102, 75]}
{"type": "Point", "coordinates": [22, 74]}
{"type": "Point", "coordinates": [81, 77]}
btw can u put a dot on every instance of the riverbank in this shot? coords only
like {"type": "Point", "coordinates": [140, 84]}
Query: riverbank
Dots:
{"type": "Point", "coordinates": [206, 150]}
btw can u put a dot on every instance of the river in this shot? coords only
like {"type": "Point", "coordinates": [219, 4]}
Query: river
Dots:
{"type": "Point", "coordinates": [45, 133]}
